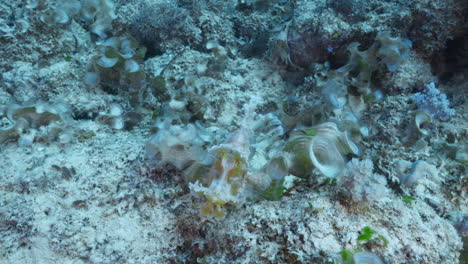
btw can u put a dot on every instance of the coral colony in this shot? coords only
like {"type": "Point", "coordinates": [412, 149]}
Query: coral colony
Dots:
{"type": "Point", "coordinates": [240, 131]}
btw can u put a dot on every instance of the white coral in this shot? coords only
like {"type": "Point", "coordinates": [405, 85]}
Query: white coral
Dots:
{"type": "Point", "coordinates": [360, 184]}
{"type": "Point", "coordinates": [419, 170]}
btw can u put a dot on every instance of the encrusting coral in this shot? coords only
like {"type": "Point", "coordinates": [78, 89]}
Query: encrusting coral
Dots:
{"type": "Point", "coordinates": [360, 184]}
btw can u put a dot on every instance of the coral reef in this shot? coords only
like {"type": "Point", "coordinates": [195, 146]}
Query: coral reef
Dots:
{"type": "Point", "coordinates": [251, 131]}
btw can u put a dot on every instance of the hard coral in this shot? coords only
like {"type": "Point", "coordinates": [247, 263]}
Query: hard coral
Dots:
{"type": "Point", "coordinates": [360, 184]}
